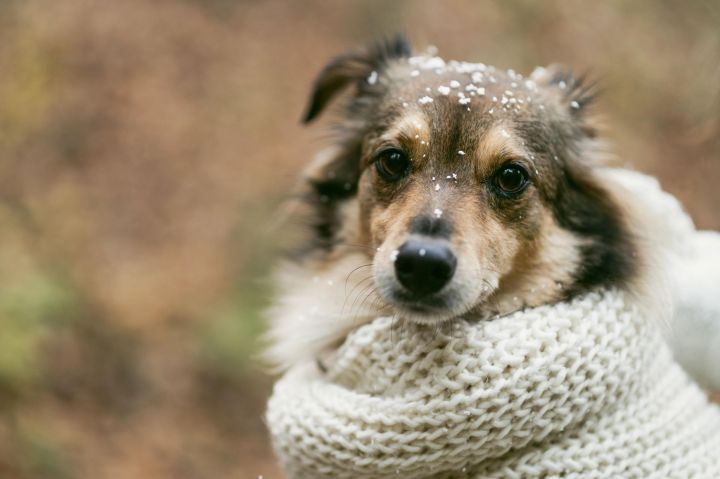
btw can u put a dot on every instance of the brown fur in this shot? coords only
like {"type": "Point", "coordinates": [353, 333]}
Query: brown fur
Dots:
{"type": "Point", "coordinates": [562, 235]}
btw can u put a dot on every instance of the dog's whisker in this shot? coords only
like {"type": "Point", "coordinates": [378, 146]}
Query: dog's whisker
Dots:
{"type": "Point", "coordinates": [355, 307]}
{"type": "Point", "coordinates": [363, 303]}
{"type": "Point", "coordinates": [354, 288]}
{"type": "Point", "coordinates": [378, 304]}
{"type": "Point", "coordinates": [347, 278]}
{"type": "Point", "coordinates": [372, 291]}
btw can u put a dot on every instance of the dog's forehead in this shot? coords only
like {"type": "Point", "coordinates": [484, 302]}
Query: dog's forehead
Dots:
{"type": "Point", "coordinates": [454, 94]}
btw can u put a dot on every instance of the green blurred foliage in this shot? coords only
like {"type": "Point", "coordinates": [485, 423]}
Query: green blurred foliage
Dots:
{"type": "Point", "coordinates": [231, 346]}
{"type": "Point", "coordinates": [35, 303]}
{"type": "Point", "coordinates": [31, 308]}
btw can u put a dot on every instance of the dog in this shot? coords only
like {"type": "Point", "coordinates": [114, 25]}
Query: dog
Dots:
{"type": "Point", "coordinates": [450, 190]}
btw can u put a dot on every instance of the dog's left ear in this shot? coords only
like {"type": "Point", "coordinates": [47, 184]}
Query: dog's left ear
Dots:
{"type": "Point", "coordinates": [361, 67]}
{"type": "Point", "coordinates": [575, 93]}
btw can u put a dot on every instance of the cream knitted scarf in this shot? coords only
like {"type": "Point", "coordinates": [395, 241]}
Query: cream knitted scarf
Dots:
{"type": "Point", "coordinates": [585, 389]}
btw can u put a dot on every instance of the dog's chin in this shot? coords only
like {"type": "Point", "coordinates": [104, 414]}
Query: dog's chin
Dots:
{"type": "Point", "coordinates": [430, 310]}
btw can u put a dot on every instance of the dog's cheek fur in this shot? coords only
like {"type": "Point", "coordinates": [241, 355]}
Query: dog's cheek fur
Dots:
{"type": "Point", "coordinates": [497, 246]}
{"type": "Point", "coordinates": [505, 226]}
{"type": "Point", "coordinates": [540, 269]}
{"type": "Point", "coordinates": [608, 257]}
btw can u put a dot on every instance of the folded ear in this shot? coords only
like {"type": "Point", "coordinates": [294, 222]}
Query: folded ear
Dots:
{"type": "Point", "coordinates": [354, 67]}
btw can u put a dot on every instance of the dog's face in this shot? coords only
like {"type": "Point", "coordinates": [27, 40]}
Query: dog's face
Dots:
{"type": "Point", "coordinates": [470, 188]}
{"type": "Point", "coordinates": [451, 190]}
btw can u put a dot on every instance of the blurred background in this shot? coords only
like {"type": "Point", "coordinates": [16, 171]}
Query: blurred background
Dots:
{"type": "Point", "coordinates": [145, 148]}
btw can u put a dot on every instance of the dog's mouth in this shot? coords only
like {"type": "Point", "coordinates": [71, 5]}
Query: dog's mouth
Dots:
{"type": "Point", "coordinates": [437, 303]}
{"type": "Point", "coordinates": [426, 310]}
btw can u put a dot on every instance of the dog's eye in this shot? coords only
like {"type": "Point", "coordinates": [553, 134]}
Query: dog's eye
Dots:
{"type": "Point", "coordinates": [511, 179]}
{"type": "Point", "coordinates": [392, 164]}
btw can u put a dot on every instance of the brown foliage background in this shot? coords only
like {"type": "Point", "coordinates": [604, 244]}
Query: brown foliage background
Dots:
{"type": "Point", "coordinates": [145, 148]}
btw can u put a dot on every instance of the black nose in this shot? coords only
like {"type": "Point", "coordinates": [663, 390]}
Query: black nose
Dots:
{"type": "Point", "coordinates": [424, 267]}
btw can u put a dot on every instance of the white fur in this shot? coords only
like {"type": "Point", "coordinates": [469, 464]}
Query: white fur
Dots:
{"type": "Point", "coordinates": [317, 310]}
{"type": "Point", "coordinates": [695, 335]}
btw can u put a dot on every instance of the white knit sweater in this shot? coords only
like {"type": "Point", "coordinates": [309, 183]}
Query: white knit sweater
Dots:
{"type": "Point", "coordinates": [582, 389]}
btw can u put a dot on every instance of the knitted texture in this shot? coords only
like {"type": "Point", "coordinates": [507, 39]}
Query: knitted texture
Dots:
{"type": "Point", "coordinates": [581, 389]}
{"type": "Point", "coordinates": [584, 389]}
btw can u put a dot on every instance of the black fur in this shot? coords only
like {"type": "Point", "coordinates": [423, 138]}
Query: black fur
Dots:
{"type": "Point", "coordinates": [585, 208]}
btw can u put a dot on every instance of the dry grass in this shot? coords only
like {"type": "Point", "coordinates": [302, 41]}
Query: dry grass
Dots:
{"type": "Point", "coordinates": [144, 148]}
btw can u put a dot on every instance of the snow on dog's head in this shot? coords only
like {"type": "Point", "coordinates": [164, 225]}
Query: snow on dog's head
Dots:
{"type": "Point", "coordinates": [455, 189]}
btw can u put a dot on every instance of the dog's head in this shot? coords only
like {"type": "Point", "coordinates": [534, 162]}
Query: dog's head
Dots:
{"type": "Point", "coordinates": [471, 189]}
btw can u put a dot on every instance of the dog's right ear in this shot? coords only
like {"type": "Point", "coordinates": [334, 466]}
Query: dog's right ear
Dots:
{"type": "Point", "coordinates": [357, 67]}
